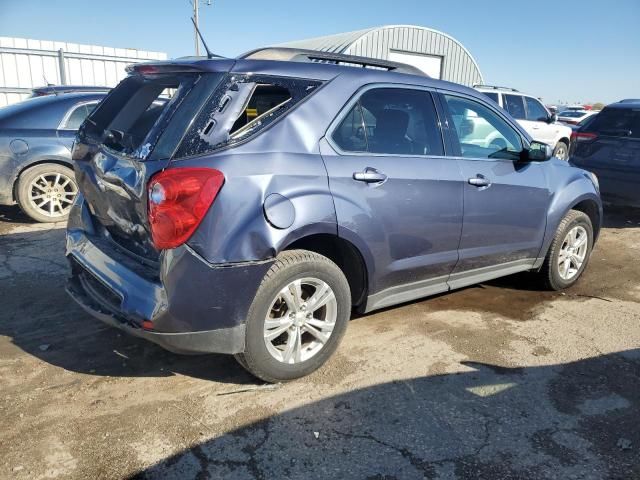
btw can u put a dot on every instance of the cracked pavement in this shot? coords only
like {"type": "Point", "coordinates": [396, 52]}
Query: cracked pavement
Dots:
{"type": "Point", "coordinates": [498, 381]}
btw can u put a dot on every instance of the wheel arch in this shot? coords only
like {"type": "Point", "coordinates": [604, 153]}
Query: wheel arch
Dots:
{"type": "Point", "coordinates": [344, 254]}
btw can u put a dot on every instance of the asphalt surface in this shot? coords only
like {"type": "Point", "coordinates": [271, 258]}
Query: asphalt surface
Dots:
{"type": "Point", "coordinates": [499, 381]}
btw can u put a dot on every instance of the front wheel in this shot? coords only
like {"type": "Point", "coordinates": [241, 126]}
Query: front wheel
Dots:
{"type": "Point", "coordinates": [561, 151]}
{"type": "Point", "coordinates": [298, 317]}
{"type": "Point", "coordinates": [569, 252]}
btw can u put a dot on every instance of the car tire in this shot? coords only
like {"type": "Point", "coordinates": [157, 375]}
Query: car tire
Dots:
{"type": "Point", "coordinates": [561, 151]}
{"type": "Point", "coordinates": [279, 344]}
{"type": "Point", "coordinates": [46, 192]}
{"type": "Point", "coordinates": [554, 273]}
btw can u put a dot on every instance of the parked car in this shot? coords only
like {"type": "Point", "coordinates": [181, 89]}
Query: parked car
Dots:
{"type": "Point", "coordinates": [609, 146]}
{"type": "Point", "coordinates": [36, 136]}
{"type": "Point", "coordinates": [574, 117]}
{"type": "Point", "coordinates": [534, 117]}
{"type": "Point", "coordinates": [62, 89]}
{"type": "Point", "coordinates": [205, 227]}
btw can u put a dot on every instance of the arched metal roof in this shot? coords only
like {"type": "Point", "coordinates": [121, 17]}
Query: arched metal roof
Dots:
{"type": "Point", "coordinates": [458, 64]}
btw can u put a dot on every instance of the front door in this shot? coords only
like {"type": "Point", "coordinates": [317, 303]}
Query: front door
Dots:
{"type": "Point", "coordinates": [505, 201]}
{"type": "Point", "coordinates": [397, 196]}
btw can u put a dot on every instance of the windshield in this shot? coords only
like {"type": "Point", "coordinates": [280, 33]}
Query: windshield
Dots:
{"type": "Point", "coordinates": [572, 114]}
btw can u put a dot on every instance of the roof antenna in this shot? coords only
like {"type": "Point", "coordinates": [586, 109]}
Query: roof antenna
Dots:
{"type": "Point", "coordinates": [209, 54]}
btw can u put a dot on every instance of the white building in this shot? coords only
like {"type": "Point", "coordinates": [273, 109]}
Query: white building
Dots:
{"type": "Point", "coordinates": [26, 63]}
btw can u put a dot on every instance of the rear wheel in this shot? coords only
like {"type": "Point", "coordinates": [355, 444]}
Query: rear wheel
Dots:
{"type": "Point", "coordinates": [46, 192]}
{"type": "Point", "coordinates": [561, 151]}
{"type": "Point", "coordinates": [569, 252]}
{"type": "Point", "coordinates": [297, 318]}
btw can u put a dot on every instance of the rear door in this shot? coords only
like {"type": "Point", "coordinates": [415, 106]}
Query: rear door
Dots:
{"type": "Point", "coordinates": [397, 196]}
{"type": "Point", "coordinates": [505, 202]}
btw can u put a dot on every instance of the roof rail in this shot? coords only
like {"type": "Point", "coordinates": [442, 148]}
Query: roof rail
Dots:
{"type": "Point", "coordinates": [630, 100]}
{"type": "Point", "coordinates": [302, 55]}
{"type": "Point", "coordinates": [495, 87]}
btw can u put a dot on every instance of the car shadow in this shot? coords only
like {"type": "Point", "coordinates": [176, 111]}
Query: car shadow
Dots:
{"type": "Point", "coordinates": [13, 214]}
{"type": "Point", "coordinates": [573, 420]}
{"type": "Point", "coordinates": [621, 217]}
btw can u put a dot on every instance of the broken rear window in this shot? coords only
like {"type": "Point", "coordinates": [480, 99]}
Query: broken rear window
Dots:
{"type": "Point", "coordinates": [243, 106]}
{"type": "Point", "coordinates": [145, 112]}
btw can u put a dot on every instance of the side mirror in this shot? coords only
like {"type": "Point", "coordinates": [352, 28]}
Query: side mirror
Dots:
{"type": "Point", "coordinates": [553, 118]}
{"type": "Point", "coordinates": [539, 152]}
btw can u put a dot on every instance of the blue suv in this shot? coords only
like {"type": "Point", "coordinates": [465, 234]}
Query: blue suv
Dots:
{"type": "Point", "coordinates": [274, 193]}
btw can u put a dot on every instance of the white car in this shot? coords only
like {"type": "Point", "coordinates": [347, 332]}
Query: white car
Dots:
{"type": "Point", "coordinates": [533, 116]}
{"type": "Point", "coordinates": [574, 117]}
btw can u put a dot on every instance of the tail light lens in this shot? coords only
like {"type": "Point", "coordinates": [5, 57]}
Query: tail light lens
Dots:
{"type": "Point", "coordinates": [583, 136]}
{"type": "Point", "coordinates": [178, 201]}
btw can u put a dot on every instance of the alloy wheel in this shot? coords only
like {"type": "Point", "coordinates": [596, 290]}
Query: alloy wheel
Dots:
{"type": "Point", "coordinates": [573, 252]}
{"type": "Point", "coordinates": [300, 320]}
{"type": "Point", "coordinates": [52, 194]}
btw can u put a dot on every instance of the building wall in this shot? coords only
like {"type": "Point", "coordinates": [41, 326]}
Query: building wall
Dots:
{"type": "Point", "coordinates": [26, 63]}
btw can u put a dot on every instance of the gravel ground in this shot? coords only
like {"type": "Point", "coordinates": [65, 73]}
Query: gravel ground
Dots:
{"type": "Point", "coordinates": [495, 381]}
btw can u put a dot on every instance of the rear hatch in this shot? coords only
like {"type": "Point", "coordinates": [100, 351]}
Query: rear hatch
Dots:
{"type": "Point", "coordinates": [130, 136]}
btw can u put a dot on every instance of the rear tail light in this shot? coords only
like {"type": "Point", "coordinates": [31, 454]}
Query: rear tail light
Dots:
{"type": "Point", "coordinates": [583, 136]}
{"type": "Point", "coordinates": [178, 201]}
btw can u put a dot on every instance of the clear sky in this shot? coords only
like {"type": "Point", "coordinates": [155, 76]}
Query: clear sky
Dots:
{"type": "Point", "coordinates": [568, 50]}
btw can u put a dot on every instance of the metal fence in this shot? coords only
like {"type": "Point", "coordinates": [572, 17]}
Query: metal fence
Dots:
{"type": "Point", "coordinates": [25, 64]}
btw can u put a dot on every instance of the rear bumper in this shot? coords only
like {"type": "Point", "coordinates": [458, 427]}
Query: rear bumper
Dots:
{"type": "Point", "coordinates": [194, 307]}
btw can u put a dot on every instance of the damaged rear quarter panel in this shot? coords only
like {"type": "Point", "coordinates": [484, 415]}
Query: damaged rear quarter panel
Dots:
{"type": "Point", "coordinates": [284, 159]}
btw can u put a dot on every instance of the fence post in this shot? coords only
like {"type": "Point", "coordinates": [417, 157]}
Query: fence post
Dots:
{"type": "Point", "coordinates": [63, 72]}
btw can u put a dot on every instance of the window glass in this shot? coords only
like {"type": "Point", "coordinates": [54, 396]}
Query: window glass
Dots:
{"type": "Point", "coordinates": [482, 133]}
{"type": "Point", "coordinates": [241, 107]}
{"type": "Point", "coordinates": [617, 122]}
{"type": "Point", "coordinates": [535, 111]}
{"type": "Point", "coordinates": [514, 104]}
{"type": "Point", "coordinates": [77, 117]}
{"type": "Point", "coordinates": [401, 122]}
{"type": "Point", "coordinates": [492, 95]}
{"type": "Point", "coordinates": [350, 135]}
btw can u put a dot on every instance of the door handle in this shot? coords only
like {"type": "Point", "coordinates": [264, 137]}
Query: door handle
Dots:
{"type": "Point", "coordinates": [479, 181]}
{"type": "Point", "coordinates": [370, 175]}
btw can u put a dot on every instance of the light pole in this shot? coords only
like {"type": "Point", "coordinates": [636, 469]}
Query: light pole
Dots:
{"type": "Point", "coordinates": [195, 4]}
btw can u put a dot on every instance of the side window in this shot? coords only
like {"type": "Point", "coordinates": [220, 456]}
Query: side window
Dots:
{"type": "Point", "coordinates": [492, 95]}
{"type": "Point", "coordinates": [350, 135]}
{"type": "Point", "coordinates": [535, 111]}
{"type": "Point", "coordinates": [401, 122]}
{"type": "Point", "coordinates": [77, 116]}
{"type": "Point", "coordinates": [481, 132]}
{"type": "Point", "coordinates": [241, 107]}
{"type": "Point", "coordinates": [514, 104]}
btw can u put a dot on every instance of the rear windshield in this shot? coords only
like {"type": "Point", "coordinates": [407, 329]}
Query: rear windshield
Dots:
{"type": "Point", "coordinates": [134, 117]}
{"type": "Point", "coordinates": [617, 122]}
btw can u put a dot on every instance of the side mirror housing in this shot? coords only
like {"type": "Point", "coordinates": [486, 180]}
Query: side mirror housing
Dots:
{"type": "Point", "coordinates": [538, 152]}
{"type": "Point", "coordinates": [553, 118]}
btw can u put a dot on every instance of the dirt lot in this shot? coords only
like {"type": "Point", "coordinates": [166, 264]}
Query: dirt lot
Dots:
{"type": "Point", "coordinates": [496, 381]}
